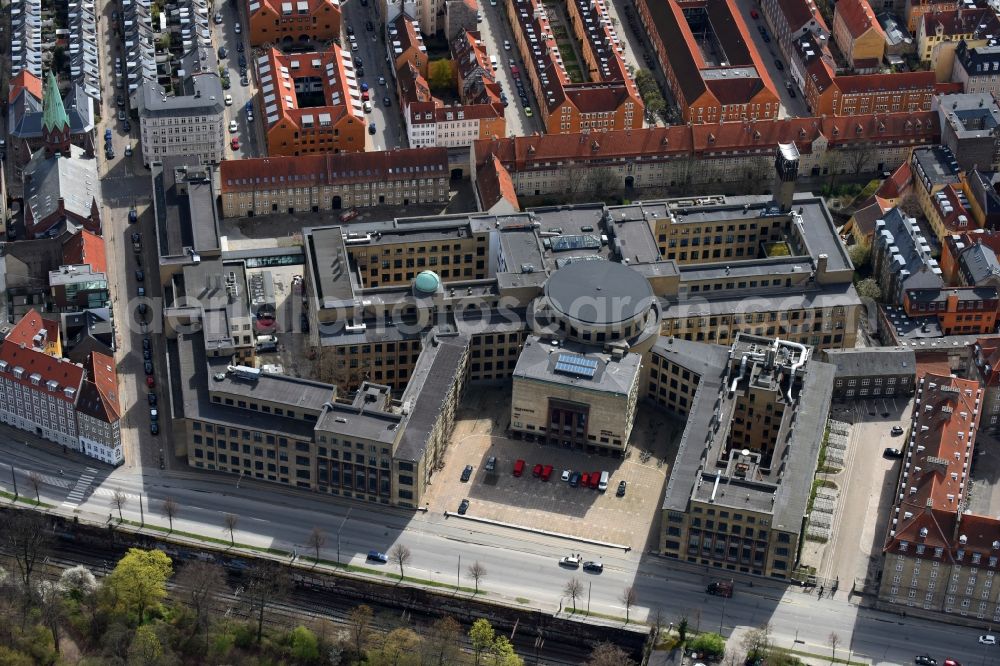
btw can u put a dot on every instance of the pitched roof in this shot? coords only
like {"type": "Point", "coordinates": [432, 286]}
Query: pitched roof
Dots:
{"type": "Point", "coordinates": [71, 177]}
{"type": "Point", "coordinates": [962, 21]}
{"type": "Point", "coordinates": [932, 487]}
{"type": "Point", "coordinates": [495, 184]}
{"type": "Point", "coordinates": [894, 81]}
{"type": "Point", "coordinates": [799, 13]}
{"type": "Point", "coordinates": [25, 330]}
{"type": "Point", "coordinates": [53, 112]}
{"type": "Point", "coordinates": [26, 81]}
{"type": "Point", "coordinates": [85, 247]}
{"type": "Point", "coordinates": [278, 72]}
{"type": "Point", "coordinates": [330, 168]}
{"type": "Point", "coordinates": [275, 6]}
{"type": "Point", "coordinates": [858, 16]}
{"type": "Point", "coordinates": [48, 368]}
{"type": "Point", "coordinates": [99, 394]}
{"type": "Point", "coordinates": [898, 184]}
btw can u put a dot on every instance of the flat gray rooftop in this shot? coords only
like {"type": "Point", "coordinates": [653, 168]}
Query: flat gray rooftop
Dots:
{"type": "Point", "coordinates": [333, 279]}
{"type": "Point", "coordinates": [371, 424]}
{"type": "Point", "coordinates": [869, 361]}
{"type": "Point", "coordinates": [302, 395]}
{"type": "Point", "coordinates": [184, 220]}
{"type": "Point", "coordinates": [539, 360]}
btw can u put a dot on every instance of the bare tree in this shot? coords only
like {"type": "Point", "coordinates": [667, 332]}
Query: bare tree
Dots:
{"type": "Point", "coordinates": [266, 584]}
{"type": "Point", "coordinates": [834, 640]}
{"type": "Point", "coordinates": [316, 541]}
{"type": "Point", "coordinates": [573, 589]}
{"type": "Point", "coordinates": [26, 539]}
{"type": "Point", "coordinates": [442, 643]}
{"type": "Point", "coordinates": [477, 572]}
{"type": "Point", "coordinates": [360, 620]}
{"type": "Point", "coordinates": [629, 597]}
{"type": "Point", "coordinates": [197, 584]}
{"type": "Point", "coordinates": [609, 654]}
{"type": "Point", "coordinates": [170, 509]}
{"type": "Point", "coordinates": [400, 555]}
{"type": "Point", "coordinates": [36, 482]}
{"type": "Point", "coordinates": [51, 609]}
{"type": "Point", "coordinates": [120, 499]}
{"type": "Point", "coordinates": [757, 642]}
{"type": "Point", "coordinates": [231, 520]}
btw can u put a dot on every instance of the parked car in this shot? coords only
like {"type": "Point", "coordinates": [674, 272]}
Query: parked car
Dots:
{"type": "Point", "coordinates": [987, 639]}
{"type": "Point", "coordinates": [154, 428]}
{"type": "Point", "coordinates": [570, 561]}
{"type": "Point", "coordinates": [892, 453]}
{"type": "Point", "coordinates": [896, 430]}
{"type": "Point", "coordinates": [574, 480]}
{"type": "Point", "coordinates": [924, 660]}
{"type": "Point", "coordinates": [466, 473]}
{"type": "Point", "coordinates": [537, 470]}
{"type": "Point", "coordinates": [518, 467]}
{"type": "Point", "coordinates": [585, 480]}
{"type": "Point", "coordinates": [147, 355]}
{"type": "Point", "coordinates": [780, 65]}
{"type": "Point", "coordinates": [232, 126]}
{"type": "Point", "coordinates": [566, 474]}
{"type": "Point", "coordinates": [154, 415]}
{"type": "Point", "coordinates": [381, 80]}
{"type": "Point", "coordinates": [304, 322]}
{"type": "Point", "coordinates": [371, 128]}
{"type": "Point", "coordinates": [364, 87]}
{"type": "Point", "coordinates": [546, 472]}
{"type": "Point", "coordinates": [754, 14]}
{"type": "Point", "coordinates": [377, 556]}
{"type": "Point", "coordinates": [239, 46]}
{"type": "Point", "coordinates": [386, 101]}
{"type": "Point", "coordinates": [146, 344]}
{"type": "Point", "coordinates": [150, 382]}
{"type": "Point", "coordinates": [491, 464]}
{"type": "Point", "coordinates": [139, 275]}
{"type": "Point", "coordinates": [593, 565]}
{"type": "Point", "coordinates": [527, 111]}
{"type": "Point", "coordinates": [595, 479]}
{"type": "Point", "coordinates": [222, 52]}
{"type": "Point", "coordinates": [621, 489]}
{"type": "Point", "coordinates": [151, 398]}
{"type": "Point", "coordinates": [218, 18]}
{"type": "Point", "coordinates": [463, 507]}
{"type": "Point", "coordinates": [238, 28]}
{"type": "Point", "coordinates": [234, 143]}
{"type": "Point", "coordinates": [244, 81]}
{"type": "Point", "coordinates": [148, 367]}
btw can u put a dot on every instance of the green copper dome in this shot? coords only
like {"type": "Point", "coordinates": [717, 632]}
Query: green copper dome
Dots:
{"type": "Point", "coordinates": [427, 282]}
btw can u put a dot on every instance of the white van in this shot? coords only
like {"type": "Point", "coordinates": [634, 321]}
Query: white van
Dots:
{"type": "Point", "coordinates": [493, 62]}
{"type": "Point", "coordinates": [603, 485]}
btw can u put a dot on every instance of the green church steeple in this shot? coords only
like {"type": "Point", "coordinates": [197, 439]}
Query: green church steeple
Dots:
{"type": "Point", "coordinates": [54, 116]}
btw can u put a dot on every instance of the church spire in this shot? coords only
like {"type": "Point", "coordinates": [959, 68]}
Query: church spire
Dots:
{"type": "Point", "coordinates": [55, 122]}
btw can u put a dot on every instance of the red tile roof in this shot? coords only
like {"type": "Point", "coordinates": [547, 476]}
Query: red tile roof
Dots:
{"type": "Point", "coordinates": [27, 81]}
{"type": "Point", "coordinates": [799, 13]}
{"type": "Point", "coordinates": [87, 248]}
{"type": "Point", "coordinates": [25, 330]}
{"type": "Point", "coordinates": [895, 81]}
{"type": "Point", "coordinates": [61, 371]}
{"type": "Point", "coordinates": [328, 68]}
{"type": "Point", "coordinates": [332, 168]}
{"type": "Point", "coordinates": [275, 5]}
{"type": "Point", "coordinates": [495, 184]}
{"type": "Point", "coordinates": [935, 480]}
{"type": "Point", "coordinates": [708, 139]}
{"type": "Point", "coordinates": [99, 396]}
{"type": "Point", "coordinates": [898, 184]}
{"type": "Point", "coordinates": [858, 16]}
{"type": "Point", "coordinates": [960, 21]}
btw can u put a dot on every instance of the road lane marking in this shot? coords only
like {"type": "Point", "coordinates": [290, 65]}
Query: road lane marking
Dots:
{"type": "Point", "coordinates": [80, 489]}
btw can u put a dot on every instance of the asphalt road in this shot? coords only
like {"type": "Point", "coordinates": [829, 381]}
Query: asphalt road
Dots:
{"type": "Point", "coordinates": [519, 565]}
{"type": "Point", "coordinates": [390, 129]}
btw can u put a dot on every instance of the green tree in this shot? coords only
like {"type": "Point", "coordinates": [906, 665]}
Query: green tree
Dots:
{"type": "Point", "coordinates": [481, 635]}
{"type": "Point", "coordinates": [682, 629]}
{"type": "Point", "coordinates": [305, 645]}
{"type": "Point", "coordinates": [138, 581]}
{"type": "Point", "coordinates": [399, 644]}
{"type": "Point", "coordinates": [146, 648]}
{"type": "Point", "coordinates": [440, 75]}
{"type": "Point", "coordinates": [709, 644]}
{"type": "Point", "coordinates": [503, 653]}
{"type": "Point", "coordinates": [860, 254]}
{"type": "Point", "coordinates": [869, 288]}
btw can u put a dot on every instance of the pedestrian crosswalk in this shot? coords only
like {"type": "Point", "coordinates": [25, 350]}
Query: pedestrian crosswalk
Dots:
{"type": "Point", "coordinates": [80, 489]}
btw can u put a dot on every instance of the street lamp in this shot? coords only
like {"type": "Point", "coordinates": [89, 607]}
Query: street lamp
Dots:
{"type": "Point", "coordinates": [342, 523]}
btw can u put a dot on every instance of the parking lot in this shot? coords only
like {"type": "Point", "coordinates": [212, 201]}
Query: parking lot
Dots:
{"type": "Point", "coordinates": [554, 505]}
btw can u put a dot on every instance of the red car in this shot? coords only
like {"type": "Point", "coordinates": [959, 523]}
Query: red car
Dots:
{"type": "Point", "coordinates": [537, 470]}
{"type": "Point", "coordinates": [546, 472]}
{"type": "Point", "coordinates": [585, 480]}
{"type": "Point", "coordinates": [595, 479]}
{"type": "Point", "coordinates": [149, 381]}
{"type": "Point", "coordinates": [235, 143]}
{"type": "Point", "coordinates": [753, 13]}
{"type": "Point", "coordinates": [364, 96]}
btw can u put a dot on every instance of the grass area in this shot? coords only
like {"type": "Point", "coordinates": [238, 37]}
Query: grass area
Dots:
{"type": "Point", "coordinates": [570, 62]}
{"type": "Point", "coordinates": [26, 500]}
{"type": "Point", "coordinates": [606, 616]}
{"type": "Point", "coordinates": [778, 249]}
{"type": "Point", "coordinates": [522, 600]}
{"type": "Point", "coordinates": [817, 539]}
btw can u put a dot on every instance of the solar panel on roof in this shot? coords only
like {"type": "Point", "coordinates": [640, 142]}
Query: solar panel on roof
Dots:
{"type": "Point", "coordinates": [577, 366]}
{"type": "Point", "coordinates": [578, 360]}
